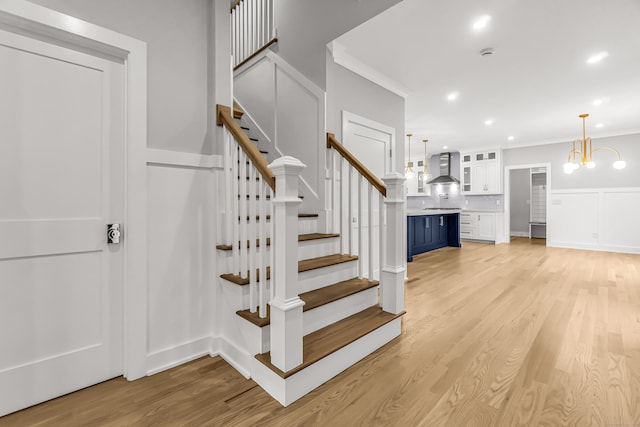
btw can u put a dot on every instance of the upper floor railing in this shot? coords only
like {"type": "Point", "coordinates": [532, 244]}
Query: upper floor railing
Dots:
{"type": "Point", "coordinates": [252, 29]}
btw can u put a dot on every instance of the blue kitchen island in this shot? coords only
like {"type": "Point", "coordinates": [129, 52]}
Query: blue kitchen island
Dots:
{"type": "Point", "coordinates": [431, 229]}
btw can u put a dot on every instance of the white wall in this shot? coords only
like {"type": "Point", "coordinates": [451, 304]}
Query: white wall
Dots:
{"type": "Point", "coordinates": [290, 109]}
{"type": "Point", "coordinates": [347, 91]}
{"type": "Point", "coordinates": [591, 208]}
{"type": "Point", "coordinates": [177, 33]}
{"type": "Point", "coordinates": [181, 262]}
{"type": "Point", "coordinates": [187, 40]}
{"type": "Point", "coordinates": [306, 26]}
{"type": "Point", "coordinates": [602, 176]}
{"type": "Point", "coordinates": [520, 189]}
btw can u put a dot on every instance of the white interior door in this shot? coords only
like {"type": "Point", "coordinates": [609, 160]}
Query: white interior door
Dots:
{"type": "Point", "coordinates": [371, 142]}
{"type": "Point", "coordinates": [61, 182]}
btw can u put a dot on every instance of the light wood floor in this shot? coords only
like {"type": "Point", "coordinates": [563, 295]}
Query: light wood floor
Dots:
{"type": "Point", "coordinates": [502, 335]}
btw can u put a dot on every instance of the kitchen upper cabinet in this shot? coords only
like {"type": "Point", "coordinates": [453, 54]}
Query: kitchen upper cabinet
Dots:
{"type": "Point", "coordinates": [481, 172]}
{"type": "Point", "coordinates": [416, 185]}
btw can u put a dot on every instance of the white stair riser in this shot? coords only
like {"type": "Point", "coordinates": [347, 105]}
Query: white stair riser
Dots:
{"type": "Point", "coordinates": [305, 225]}
{"type": "Point", "coordinates": [311, 280]}
{"type": "Point", "coordinates": [330, 313]}
{"type": "Point", "coordinates": [287, 391]}
{"type": "Point", "coordinates": [321, 277]}
{"type": "Point", "coordinates": [317, 248]}
{"type": "Point", "coordinates": [258, 337]}
{"type": "Point", "coordinates": [306, 250]}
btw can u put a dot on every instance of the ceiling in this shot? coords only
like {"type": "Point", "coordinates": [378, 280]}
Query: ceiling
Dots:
{"type": "Point", "coordinates": [535, 84]}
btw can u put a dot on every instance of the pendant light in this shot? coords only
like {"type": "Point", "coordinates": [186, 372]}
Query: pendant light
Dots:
{"type": "Point", "coordinates": [426, 176]}
{"type": "Point", "coordinates": [408, 171]}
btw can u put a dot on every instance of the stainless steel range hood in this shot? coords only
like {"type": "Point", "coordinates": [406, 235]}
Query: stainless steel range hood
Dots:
{"type": "Point", "coordinates": [445, 171]}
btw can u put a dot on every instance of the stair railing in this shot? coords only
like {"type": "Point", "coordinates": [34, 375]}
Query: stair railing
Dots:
{"type": "Point", "coordinates": [353, 187]}
{"type": "Point", "coordinates": [252, 29]}
{"type": "Point", "coordinates": [250, 183]}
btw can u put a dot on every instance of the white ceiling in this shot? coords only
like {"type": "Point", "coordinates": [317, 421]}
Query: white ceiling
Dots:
{"type": "Point", "coordinates": [535, 84]}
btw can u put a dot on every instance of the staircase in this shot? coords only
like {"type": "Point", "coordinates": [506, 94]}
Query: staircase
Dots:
{"type": "Point", "coordinates": [319, 309]}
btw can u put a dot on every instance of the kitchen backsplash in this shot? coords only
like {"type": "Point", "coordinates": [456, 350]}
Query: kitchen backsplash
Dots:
{"type": "Point", "coordinates": [440, 198]}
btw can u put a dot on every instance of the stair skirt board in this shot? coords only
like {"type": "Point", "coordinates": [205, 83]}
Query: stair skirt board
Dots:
{"type": "Point", "coordinates": [287, 391]}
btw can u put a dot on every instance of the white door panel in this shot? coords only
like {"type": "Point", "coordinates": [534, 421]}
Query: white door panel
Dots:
{"type": "Point", "coordinates": [61, 182]}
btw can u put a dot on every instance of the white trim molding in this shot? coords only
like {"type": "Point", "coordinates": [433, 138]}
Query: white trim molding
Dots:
{"type": "Point", "coordinates": [183, 159]}
{"type": "Point", "coordinates": [507, 195]}
{"type": "Point", "coordinates": [45, 24]}
{"type": "Point", "coordinates": [342, 58]}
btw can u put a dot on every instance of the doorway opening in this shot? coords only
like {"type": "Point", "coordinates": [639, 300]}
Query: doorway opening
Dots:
{"type": "Point", "coordinates": [527, 190]}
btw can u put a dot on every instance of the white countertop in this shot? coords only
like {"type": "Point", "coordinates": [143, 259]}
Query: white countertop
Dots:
{"type": "Point", "coordinates": [483, 210]}
{"type": "Point", "coordinates": [420, 212]}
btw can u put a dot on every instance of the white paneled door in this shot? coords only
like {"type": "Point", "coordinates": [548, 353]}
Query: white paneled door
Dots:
{"type": "Point", "coordinates": [61, 183]}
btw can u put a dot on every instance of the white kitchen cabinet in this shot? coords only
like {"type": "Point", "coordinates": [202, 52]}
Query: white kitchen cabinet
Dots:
{"type": "Point", "coordinates": [479, 225]}
{"type": "Point", "coordinates": [416, 186]}
{"type": "Point", "coordinates": [481, 172]}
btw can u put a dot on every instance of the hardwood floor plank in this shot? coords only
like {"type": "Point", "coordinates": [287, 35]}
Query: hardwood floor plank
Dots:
{"type": "Point", "coordinates": [507, 335]}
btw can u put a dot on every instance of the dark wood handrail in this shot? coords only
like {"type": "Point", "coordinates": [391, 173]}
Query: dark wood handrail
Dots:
{"type": "Point", "coordinates": [234, 3]}
{"type": "Point", "coordinates": [376, 182]}
{"type": "Point", "coordinates": [224, 118]}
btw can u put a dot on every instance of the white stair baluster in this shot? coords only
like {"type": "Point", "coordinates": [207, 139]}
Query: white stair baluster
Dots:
{"type": "Point", "coordinates": [253, 265]}
{"type": "Point", "coordinates": [381, 234]}
{"type": "Point", "coordinates": [361, 250]}
{"type": "Point", "coordinates": [262, 284]}
{"type": "Point", "coordinates": [350, 201]}
{"type": "Point", "coordinates": [228, 200]}
{"type": "Point", "coordinates": [272, 237]}
{"type": "Point", "coordinates": [371, 244]}
{"type": "Point", "coordinates": [235, 194]}
{"type": "Point", "coordinates": [244, 267]}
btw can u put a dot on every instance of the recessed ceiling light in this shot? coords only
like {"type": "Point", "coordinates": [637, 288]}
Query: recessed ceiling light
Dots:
{"type": "Point", "coordinates": [597, 102]}
{"type": "Point", "coordinates": [597, 57]}
{"type": "Point", "coordinates": [452, 96]}
{"type": "Point", "coordinates": [511, 138]}
{"type": "Point", "coordinates": [488, 122]}
{"type": "Point", "coordinates": [481, 22]}
{"type": "Point", "coordinates": [444, 147]}
{"type": "Point", "coordinates": [599, 125]}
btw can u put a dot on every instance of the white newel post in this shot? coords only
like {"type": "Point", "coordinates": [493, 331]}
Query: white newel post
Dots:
{"type": "Point", "coordinates": [286, 305]}
{"type": "Point", "coordinates": [392, 277]}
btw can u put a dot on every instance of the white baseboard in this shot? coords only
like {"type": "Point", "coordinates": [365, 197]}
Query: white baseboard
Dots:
{"type": "Point", "coordinates": [233, 355]}
{"type": "Point", "coordinates": [519, 234]}
{"type": "Point", "coordinates": [594, 247]}
{"type": "Point", "coordinates": [177, 355]}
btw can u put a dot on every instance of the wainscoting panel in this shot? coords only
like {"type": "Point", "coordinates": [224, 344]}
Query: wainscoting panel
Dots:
{"type": "Point", "coordinates": [598, 219]}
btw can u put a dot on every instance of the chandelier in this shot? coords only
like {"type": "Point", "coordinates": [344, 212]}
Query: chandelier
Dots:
{"type": "Point", "coordinates": [582, 152]}
{"type": "Point", "coordinates": [408, 171]}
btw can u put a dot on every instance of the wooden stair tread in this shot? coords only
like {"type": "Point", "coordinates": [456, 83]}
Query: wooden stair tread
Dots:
{"type": "Point", "coordinates": [320, 344]}
{"type": "Point", "coordinates": [301, 238]}
{"type": "Point", "coordinates": [300, 215]}
{"type": "Point", "coordinates": [316, 298]}
{"type": "Point", "coordinates": [303, 265]}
